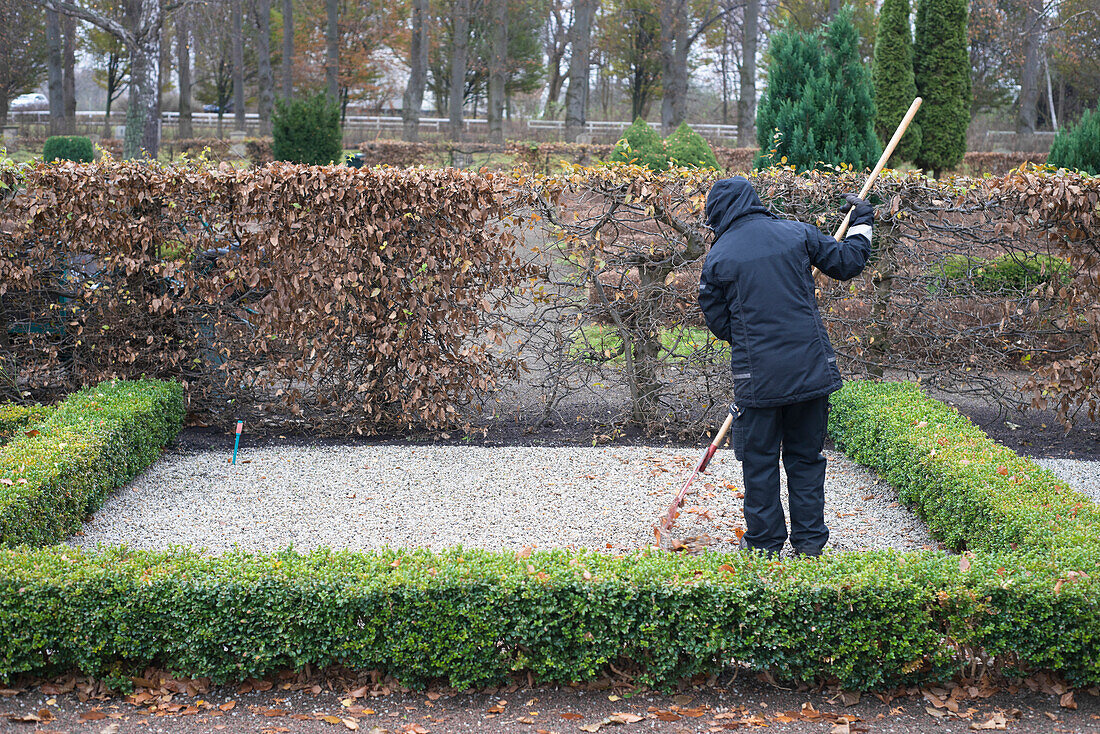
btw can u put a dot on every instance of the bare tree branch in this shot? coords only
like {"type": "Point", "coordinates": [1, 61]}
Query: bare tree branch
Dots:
{"type": "Point", "coordinates": [110, 25]}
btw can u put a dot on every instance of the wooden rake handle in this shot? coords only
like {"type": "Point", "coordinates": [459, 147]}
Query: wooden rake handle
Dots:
{"type": "Point", "coordinates": [902, 126]}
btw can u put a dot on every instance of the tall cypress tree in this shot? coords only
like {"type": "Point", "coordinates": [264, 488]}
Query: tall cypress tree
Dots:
{"type": "Point", "coordinates": [895, 86]}
{"type": "Point", "coordinates": [818, 107]}
{"type": "Point", "coordinates": [941, 67]}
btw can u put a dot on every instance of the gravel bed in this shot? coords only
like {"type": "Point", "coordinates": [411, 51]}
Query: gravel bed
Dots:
{"type": "Point", "coordinates": [372, 496]}
{"type": "Point", "coordinates": [1084, 476]}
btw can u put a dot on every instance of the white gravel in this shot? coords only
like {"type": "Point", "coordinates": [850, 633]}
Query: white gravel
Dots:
{"type": "Point", "coordinates": [1084, 476]}
{"type": "Point", "coordinates": [370, 496]}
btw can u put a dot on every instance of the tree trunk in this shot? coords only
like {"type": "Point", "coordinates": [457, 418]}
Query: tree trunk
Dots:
{"type": "Point", "coordinates": [5, 101]}
{"type": "Point", "coordinates": [674, 55]}
{"type": "Point", "coordinates": [113, 61]}
{"type": "Point", "coordinates": [332, 50]}
{"type": "Point", "coordinates": [834, 7]}
{"type": "Point", "coordinates": [140, 31]}
{"type": "Point", "coordinates": [746, 104]}
{"type": "Point", "coordinates": [54, 73]}
{"type": "Point", "coordinates": [555, 51]}
{"type": "Point", "coordinates": [68, 72]}
{"type": "Point", "coordinates": [418, 72]}
{"type": "Point", "coordinates": [237, 52]}
{"type": "Point", "coordinates": [1050, 96]}
{"type": "Point", "coordinates": [576, 97]}
{"type": "Point", "coordinates": [1029, 74]}
{"type": "Point", "coordinates": [460, 45]}
{"type": "Point", "coordinates": [266, 80]}
{"type": "Point", "coordinates": [183, 56]}
{"type": "Point", "coordinates": [496, 70]}
{"type": "Point", "coordinates": [143, 112]}
{"type": "Point", "coordinates": [288, 49]}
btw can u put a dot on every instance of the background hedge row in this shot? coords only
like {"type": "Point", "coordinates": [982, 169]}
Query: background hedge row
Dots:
{"type": "Point", "coordinates": [94, 442]}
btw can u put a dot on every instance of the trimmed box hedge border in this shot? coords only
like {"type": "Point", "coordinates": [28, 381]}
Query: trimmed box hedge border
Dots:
{"type": "Point", "coordinates": [470, 617]}
{"type": "Point", "coordinates": [95, 441]}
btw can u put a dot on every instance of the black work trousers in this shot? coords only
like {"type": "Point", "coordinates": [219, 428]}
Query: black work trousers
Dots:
{"type": "Point", "coordinates": [759, 435]}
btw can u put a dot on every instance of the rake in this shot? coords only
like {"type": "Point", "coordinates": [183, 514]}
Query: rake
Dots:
{"type": "Point", "coordinates": [674, 509]}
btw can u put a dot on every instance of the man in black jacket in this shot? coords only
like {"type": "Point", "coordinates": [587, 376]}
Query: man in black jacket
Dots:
{"type": "Point", "coordinates": [757, 292]}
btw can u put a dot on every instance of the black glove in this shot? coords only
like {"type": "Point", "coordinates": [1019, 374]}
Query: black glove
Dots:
{"type": "Point", "coordinates": [862, 212]}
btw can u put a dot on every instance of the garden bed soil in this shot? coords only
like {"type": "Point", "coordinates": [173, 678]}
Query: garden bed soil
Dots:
{"type": "Point", "coordinates": [725, 703]}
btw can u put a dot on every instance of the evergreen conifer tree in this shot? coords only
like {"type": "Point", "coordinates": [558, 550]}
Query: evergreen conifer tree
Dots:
{"type": "Point", "coordinates": [941, 66]}
{"type": "Point", "coordinates": [849, 135]}
{"type": "Point", "coordinates": [818, 107]}
{"type": "Point", "coordinates": [895, 86]}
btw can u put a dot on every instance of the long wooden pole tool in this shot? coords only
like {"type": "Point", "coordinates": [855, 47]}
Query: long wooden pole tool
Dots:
{"type": "Point", "coordinates": [673, 511]}
{"type": "Point", "coordinates": [902, 126]}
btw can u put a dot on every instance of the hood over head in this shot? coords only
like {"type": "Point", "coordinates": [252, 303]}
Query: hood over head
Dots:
{"type": "Point", "coordinates": [729, 200]}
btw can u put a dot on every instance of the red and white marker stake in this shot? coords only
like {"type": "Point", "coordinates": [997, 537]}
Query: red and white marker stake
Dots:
{"type": "Point", "coordinates": [673, 511]}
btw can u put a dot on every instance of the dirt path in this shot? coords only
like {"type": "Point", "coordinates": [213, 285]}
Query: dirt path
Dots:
{"type": "Point", "coordinates": [744, 704]}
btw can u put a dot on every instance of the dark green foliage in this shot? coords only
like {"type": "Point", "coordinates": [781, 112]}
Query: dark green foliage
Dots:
{"type": "Point", "coordinates": [15, 418]}
{"type": "Point", "coordinates": [685, 147]}
{"type": "Point", "coordinates": [307, 130]}
{"type": "Point", "coordinates": [473, 617]}
{"type": "Point", "coordinates": [895, 86]}
{"type": "Point", "coordinates": [640, 144]}
{"type": "Point", "coordinates": [865, 620]}
{"type": "Point", "coordinates": [819, 99]}
{"type": "Point", "coordinates": [1014, 272]}
{"type": "Point", "coordinates": [941, 65]}
{"type": "Point", "coordinates": [1078, 147]}
{"type": "Point", "coordinates": [972, 492]}
{"type": "Point", "coordinates": [68, 148]}
{"type": "Point", "coordinates": [95, 441]}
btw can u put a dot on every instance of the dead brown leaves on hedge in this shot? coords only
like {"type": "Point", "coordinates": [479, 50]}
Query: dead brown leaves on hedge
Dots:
{"type": "Point", "coordinates": [357, 298]}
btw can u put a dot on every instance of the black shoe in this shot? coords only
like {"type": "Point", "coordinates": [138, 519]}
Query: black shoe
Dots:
{"type": "Point", "coordinates": [744, 547]}
{"type": "Point", "coordinates": [809, 552]}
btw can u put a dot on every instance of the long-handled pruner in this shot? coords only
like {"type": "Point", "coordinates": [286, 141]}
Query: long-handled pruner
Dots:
{"type": "Point", "coordinates": [674, 509]}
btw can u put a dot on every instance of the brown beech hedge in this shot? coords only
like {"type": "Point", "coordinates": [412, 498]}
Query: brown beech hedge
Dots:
{"type": "Point", "coordinates": [363, 298]}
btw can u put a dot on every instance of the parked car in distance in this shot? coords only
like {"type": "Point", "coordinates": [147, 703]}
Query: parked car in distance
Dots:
{"type": "Point", "coordinates": [213, 107]}
{"type": "Point", "coordinates": [35, 101]}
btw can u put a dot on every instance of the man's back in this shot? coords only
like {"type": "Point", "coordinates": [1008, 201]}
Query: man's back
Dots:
{"type": "Point", "coordinates": [757, 292]}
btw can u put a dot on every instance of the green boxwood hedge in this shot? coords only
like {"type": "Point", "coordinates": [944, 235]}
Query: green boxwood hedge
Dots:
{"type": "Point", "coordinates": [863, 620]}
{"type": "Point", "coordinates": [15, 418]}
{"type": "Point", "coordinates": [972, 492]}
{"type": "Point", "coordinates": [1013, 272]}
{"type": "Point", "coordinates": [95, 441]}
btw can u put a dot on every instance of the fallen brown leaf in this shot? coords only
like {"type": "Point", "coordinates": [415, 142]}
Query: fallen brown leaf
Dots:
{"type": "Point", "coordinates": [997, 722]}
{"type": "Point", "coordinates": [1067, 702]}
{"type": "Point", "coordinates": [572, 716]}
{"type": "Point", "coordinates": [41, 716]}
{"type": "Point", "coordinates": [667, 716]}
{"type": "Point", "coordinates": [228, 705]}
{"type": "Point", "coordinates": [93, 715]}
{"type": "Point", "coordinates": [627, 717]}
{"type": "Point", "coordinates": [330, 719]}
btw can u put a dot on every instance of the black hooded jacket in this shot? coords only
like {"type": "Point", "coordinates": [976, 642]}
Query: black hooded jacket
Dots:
{"type": "Point", "coordinates": [757, 292]}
